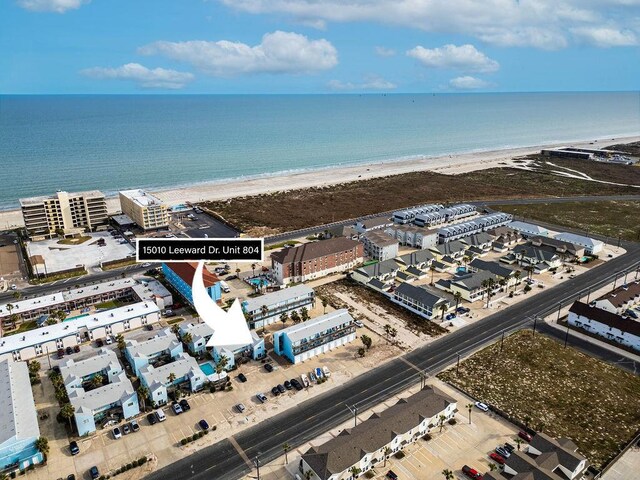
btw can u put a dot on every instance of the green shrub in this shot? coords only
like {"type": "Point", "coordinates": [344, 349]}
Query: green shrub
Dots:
{"type": "Point", "coordinates": [452, 421]}
{"type": "Point", "coordinates": [206, 432]}
{"type": "Point", "coordinates": [129, 466]}
{"type": "Point", "coordinates": [399, 454]}
{"type": "Point", "coordinates": [370, 474]}
{"type": "Point", "coordinates": [142, 460]}
{"type": "Point", "coordinates": [183, 441]}
{"type": "Point", "coordinates": [214, 427]}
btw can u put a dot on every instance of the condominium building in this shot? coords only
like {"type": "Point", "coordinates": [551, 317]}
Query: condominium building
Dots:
{"type": "Point", "coordinates": [416, 237]}
{"type": "Point", "coordinates": [183, 370]}
{"type": "Point", "coordinates": [147, 211]}
{"type": "Point", "coordinates": [18, 419]}
{"type": "Point", "coordinates": [316, 259]}
{"type": "Point", "coordinates": [620, 299]}
{"type": "Point", "coordinates": [180, 276]}
{"type": "Point", "coordinates": [381, 435]}
{"type": "Point", "coordinates": [266, 309]}
{"type": "Point", "coordinates": [607, 324]}
{"type": "Point", "coordinates": [68, 213]}
{"type": "Point", "coordinates": [313, 337]}
{"type": "Point", "coordinates": [379, 246]}
{"type": "Point", "coordinates": [162, 348]}
{"type": "Point", "coordinates": [421, 301]}
{"type": "Point", "coordinates": [469, 227]}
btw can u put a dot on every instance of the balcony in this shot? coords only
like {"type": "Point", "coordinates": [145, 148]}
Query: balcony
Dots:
{"type": "Point", "coordinates": [323, 339]}
{"type": "Point", "coordinates": [257, 315]}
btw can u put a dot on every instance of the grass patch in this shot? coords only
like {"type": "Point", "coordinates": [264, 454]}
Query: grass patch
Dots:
{"type": "Point", "coordinates": [558, 390]}
{"type": "Point", "coordinates": [59, 276]}
{"type": "Point", "coordinates": [108, 305]}
{"type": "Point", "coordinates": [295, 209]}
{"type": "Point", "coordinates": [23, 327]}
{"type": "Point", "coordinates": [366, 296]}
{"type": "Point", "coordinates": [175, 320]}
{"type": "Point", "coordinates": [74, 240]}
{"type": "Point", "coordinates": [611, 219]}
{"type": "Point", "coordinates": [273, 246]}
{"type": "Point", "coordinates": [123, 263]}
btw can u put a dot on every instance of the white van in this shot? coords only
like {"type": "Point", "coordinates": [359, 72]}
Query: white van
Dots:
{"type": "Point", "coordinates": [224, 287]}
{"type": "Point", "coordinates": [161, 416]}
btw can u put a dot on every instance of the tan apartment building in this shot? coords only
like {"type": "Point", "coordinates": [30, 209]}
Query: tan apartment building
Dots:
{"type": "Point", "coordinates": [147, 211]}
{"type": "Point", "coordinates": [71, 213]}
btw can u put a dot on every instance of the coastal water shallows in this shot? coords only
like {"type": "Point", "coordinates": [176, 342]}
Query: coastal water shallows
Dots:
{"type": "Point", "coordinates": [82, 142]}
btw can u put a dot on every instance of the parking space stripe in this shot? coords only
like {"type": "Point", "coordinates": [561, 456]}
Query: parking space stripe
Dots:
{"type": "Point", "coordinates": [240, 451]}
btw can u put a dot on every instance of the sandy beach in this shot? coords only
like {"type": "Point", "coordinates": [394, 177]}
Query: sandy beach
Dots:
{"type": "Point", "coordinates": [447, 164]}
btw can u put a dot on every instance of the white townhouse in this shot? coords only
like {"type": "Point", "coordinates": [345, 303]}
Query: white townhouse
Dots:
{"type": "Point", "coordinates": [611, 326]}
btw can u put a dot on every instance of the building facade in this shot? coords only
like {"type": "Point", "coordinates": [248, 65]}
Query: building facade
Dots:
{"type": "Point", "coordinates": [313, 337]}
{"type": "Point", "coordinates": [620, 299]}
{"type": "Point", "coordinates": [182, 371]}
{"type": "Point", "coordinates": [70, 213]}
{"type": "Point", "coordinates": [180, 276]}
{"type": "Point", "coordinates": [379, 246]}
{"type": "Point", "coordinates": [266, 309]}
{"type": "Point", "coordinates": [164, 346]}
{"type": "Point", "coordinates": [147, 211]}
{"type": "Point", "coordinates": [613, 327]}
{"type": "Point", "coordinates": [316, 259]}
{"type": "Point", "coordinates": [419, 300]}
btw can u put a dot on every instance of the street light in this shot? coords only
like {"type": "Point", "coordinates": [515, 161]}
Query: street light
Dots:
{"type": "Point", "coordinates": [354, 410]}
{"type": "Point", "coordinates": [256, 462]}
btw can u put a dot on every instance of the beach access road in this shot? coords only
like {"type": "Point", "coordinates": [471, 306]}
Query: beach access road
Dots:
{"type": "Point", "coordinates": [235, 456]}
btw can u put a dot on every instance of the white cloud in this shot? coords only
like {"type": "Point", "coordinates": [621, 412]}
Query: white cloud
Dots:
{"type": "Point", "coordinates": [607, 37]}
{"type": "Point", "coordinates": [148, 78]}
{"type": "Point", "coordinates": [465, 57]}
{"type": "Point", "coordinates": [537, 23]}
{"type": "Point", "coordinates": [384, 51]}
{"type": "Point", "coordinates": [370, 83]}
{"type": "Point", "coordinates": [57, 6]}
{"type": "Point", "coordinates": [468, 83]}
{"type": "Point", "coordinates": [279, 52]}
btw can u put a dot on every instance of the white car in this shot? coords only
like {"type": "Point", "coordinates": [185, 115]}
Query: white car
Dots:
{"type": "Point", "coordinates": [326, 371]}
{"type": "Point", "coordinates": [358, 324]}
{"type": "Point", "coordinates": [482, 406]}
{"type": "Point", "coordinates": [160, 415]}
{"type": "Point", "coordinates": [177, 409]}
{"type": "Point", "coordinates": [241, 408]}
{"type": "Point", "coordinates": [262, 397]}
{"type": "Point", "coordinates": [305, 380]}
{"type": "Point", "coordinates": [117, 433]}
{"type": "Point", "coordinates": [146, 265]}
{"type": "Point", "coordinates": [108, 340]}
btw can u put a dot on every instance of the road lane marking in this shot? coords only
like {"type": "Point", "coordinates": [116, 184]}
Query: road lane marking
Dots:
{"type": "Point", "coordinates": [411, 364]}
{"type": "Point", "coordinates": [240, 451]}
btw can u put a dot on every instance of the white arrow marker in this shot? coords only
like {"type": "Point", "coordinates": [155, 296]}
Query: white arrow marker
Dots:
{"type": "Point", "coordinates": [229, 328]}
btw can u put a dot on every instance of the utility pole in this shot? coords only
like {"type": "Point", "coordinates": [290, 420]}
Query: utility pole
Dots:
{"type": "Point", "coordinates": [559, 308]}
{"type": "Point", "coordinates": [615, 280]}
{"type": "Point", "coordinates": [535, 321]}
{"type": "Point", "coordinates": [48, 357]}
{"type": "Point", "coordinates": [502, 341]}
{"type": "Point", "coordinates": [458, 364]}
{"type": "Point", "coordinates": [625, 277]}
{"type": "Point", "coordinates": [566, 337]}
{"type": "Point", "coordinates": [354, 410]}
{"type": "Point", "coordinates": [256, 462]}
{"type": "Point", "coordinates": [588, 295]}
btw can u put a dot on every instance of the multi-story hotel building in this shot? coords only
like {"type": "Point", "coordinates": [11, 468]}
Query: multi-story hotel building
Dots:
{"type": "Point", "coordinates": [316, 259]}
{"type": "Point", "coordinates": [72, 213]}
{"type": "Point", "coordinates": [147, 211]}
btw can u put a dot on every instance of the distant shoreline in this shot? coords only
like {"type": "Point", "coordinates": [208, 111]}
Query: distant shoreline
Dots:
{"type": "Point", "coordinates": [281, 181]}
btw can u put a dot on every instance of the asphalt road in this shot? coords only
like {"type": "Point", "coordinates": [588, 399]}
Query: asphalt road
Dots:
{"type": "Point", "coordinates": [315, 416]}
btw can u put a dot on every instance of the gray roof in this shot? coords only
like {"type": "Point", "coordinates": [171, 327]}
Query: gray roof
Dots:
{"type": "Point", "coordinates": [579, 240]}
{"type": "Point", "coordinates": [540, 254]}
{"type": "Point", "coordinates": [476, 239]}
{"type": "Point", "coordinates": [275, 298]}
{"type": "Point", "coordinates": [419, 294]}
{"type": "Point", "coordinates": [18, 416]}
{"type": "Point", "coordinates": [414, 258]}
{"type": "Point", "coordinates": [317, 325]}
{"type": "Point", "coordinates": [528, 228]}
{"type": "Point", "coordinates": [563, 448]}
{"type": "Point", "coordinates": [378, 269]}
{"type": "Point", "coordinates": [95, 399]}
{"type": "Point", "coordinates": [376, 222]}
{"type": "Point", "coordinates": [348, 448]}
{"type": "Point", "coordinates": [493, 267]}
{"type": "Point", "coordinates": [103, 360]}
{"type": "Point", "coordinates": [451, 248]}
{"type": "Point", "coordinates": [375, 283]}
{"type": "Point", "coordinates": [415, 271]}
{"type": "Point", "coordinates": [182, 365]}
{"type": "Point", "coordinates": [473, 281]}
{"type": "Point", "coordinates": [380, 238]}
{"type": "Point", "coordinates": [164, 340]}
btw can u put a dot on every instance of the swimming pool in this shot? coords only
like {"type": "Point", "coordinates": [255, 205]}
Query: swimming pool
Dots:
{"type": "Point", "coordinates": [258, 281]}
{"type": "Point", "coordinates": [461, 270]}
{"type": "Point", "coordinates": [207, 368]}
{"type": "Point", "coordinates": [76, 317]}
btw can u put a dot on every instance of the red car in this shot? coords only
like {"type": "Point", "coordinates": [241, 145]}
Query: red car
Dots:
{"type": "Point", "coordinates": [496, 458]}
{"type": "Point", "coordinates": [471, 473]}
{"type": "Point", "coordinates": [524, 435]}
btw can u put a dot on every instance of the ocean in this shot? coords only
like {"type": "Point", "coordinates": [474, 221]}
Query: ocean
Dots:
{"type": "Point", "coordinates": [114, 142]}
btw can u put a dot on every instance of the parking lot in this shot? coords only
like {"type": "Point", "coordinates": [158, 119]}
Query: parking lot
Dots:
{"type": "Point", "coordinates": [200, 225]}
{"type": "Point", "coordinates": [457, 445]}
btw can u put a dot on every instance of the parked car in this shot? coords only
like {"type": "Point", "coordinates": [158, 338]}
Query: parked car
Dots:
{"type": "Point", "coordinates": [471, 472]}
{"type": "Point", "coordinates": [73, 448]}
{"type": "Point", "coordinates": [148, 327]}
{"type": "Point", "coordinates": [305, 380]}
{"type": "Point", "coordinates": [275, 391]}
{"type": "Point", "coordinates": [318, 372]}
{"type": "Point", "coordinates": [185, 405]}
{"type": "Point", "coordinates": [203, 424]}
{"type": "Point", "coordinates": [268, 367]}
{"type": "Point", "coordinates": [497, 458]}
{"type": "Point", "coordinates": [117, 433]}
{"type": "Point", "coordinates": [240, 407]}
{"type": "Point", "coordinates": [482, 406]}
{"type": "Point", "coordinates": [463, 310]}
{"type": "Point", "coordinates": [242, 377]}
{"type": "Point", "coordinates": [262, 397]}
{"type": "Point", "coordinates": [296, 384]}
{"type": "Point", "coordinates": [61, 353]}
{"type": "Point", "coordinates": [177, 409]}
{"type": "Point", "coordinates": [76, 349]}
{"type": "Point", "coordinates": [326, 372]}
{"type": "Point", "coordinates": [503, 452]}
{"type": "Point", "coordinates": [525, 436]}
{"type": "Point", "coordinates": [392, 475]}
{"type": "Point", "coordinates": [450, 316]}
{"type": "Point", "coordinates": [69, 351]}
{"type": "Point", "coordinates": [99, 343]}
{"type": "Point", "coordinates": [71, 476]}
{"type": "Point", "coordinates": [108, 340]}
{"type": "Point", "coordinates": [152, 419]}
{"type": "Point", "coordinates": [508, 447]}
{"type": "Point", "coordinates": [287, 385]}
{"type": "Point", "coordinates": [134, 425]}
{"type": "Point", "coordinates": [126, 429]}
{"type": "Point", "coordinates": [312, 377]}
{"type": "Point", "coordinates": [160, 414]}
{"type": "Point", "coordinates": [358, 323]}
{"type": "Point", "coordinates": [232, 277]}
{"type": "Point", "coordinates": [631, 314]}
{"type": "Point", "coordinates": [280, 388]}
{"type": "Point", "coordinates": [94, 473]}
{"type": "Point", "coordinates": [146, 265]}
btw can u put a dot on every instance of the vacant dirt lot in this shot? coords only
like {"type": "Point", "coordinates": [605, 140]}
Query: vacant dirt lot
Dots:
{"type": "Point", "coordinates": [561, 391]}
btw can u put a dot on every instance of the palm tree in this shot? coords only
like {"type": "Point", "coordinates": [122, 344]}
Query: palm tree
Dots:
{"type": "Point", "coordinates": [466, 259]}
{"type": "Point", "coordinates": [517, 274]}
{"type": "Point", "coordinates": [432, 267]}
{"type": "Point", "coordinates": [284, 316]}
{"type": "Point", "coordinates": [387, 451]}
{"type": "Point", "coordinates": [492, 466]}
{"type": "Point", "coordinates": [171, 378]}
{"type": "Point", "coordinates": [443, 308]}
{"type": "Point", "coordinates": [187, 338]}
{"type": "Point", "coordinates": [42, 444]}
{"type": "Point", "coordinates": [295, 317]}
{"type": "Point", "coordinates": [97, 380]}
{"type": "Point", "coordinates": [457, 297]}
{"type": "Point", "coordinates": [253, 269]}
{"type": "Point", "coordinates": [304, 314]}
{"type": "Point", "coordinates": [286, 447]}
{"type": "Point", "coordinates": [143, 393]}
{"type": "Point", "coordinates": [67, 411]}
{"type": "Point", "coordinates": [442, 418]}
{"type": "Point", "coordinates": [308, 475]}
{"type": "Point", "coordinates": [237, 272]}
{"type": "Point", "coordinates": [485, 285]}
{"type": "Point", "coordinates": [448, 474]}
{"type": "Point", "coordinates": [264, 310]}
{"type": "Point", "coordinates": [222, 363]}
{"type": "Point", "coordinates": [324, 305]}
{"type": "Point", "coordinates": [502, 282]}
{"type": "Point", "coordinates": [34, 366]}
{"type": "Point", "coordinates": [355, 471]}
{"type": "Point", "coordinates": [387, 330]}
{"type": "Point", "coordinates": [519, 442]}
{"type": "Point", "coordinates": [393, 332]}
{"type": "Point", "coordinates": [469, 408]}
{"type": "Point", "coordinates": [17, 295]}
{"type": "Point", "coordinates": [121, 343]}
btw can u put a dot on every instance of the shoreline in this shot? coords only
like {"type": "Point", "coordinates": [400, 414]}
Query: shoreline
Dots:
{"type": "Point", "coordinates": [453, 164]}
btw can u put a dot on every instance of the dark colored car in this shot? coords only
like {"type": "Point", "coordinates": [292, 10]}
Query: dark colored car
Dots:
{"type": "Point", "coordinates": [99, 342]}
{"type": "Point", "coordinates": [148, 327]}
{"type": "Point", "coordinates": [508, 447]}
{"type": "Point", "coordinates": [524, 435]}
{"type": "Point", "coordinates": [151, 418]}
{"type": "Point", "coordinates": [232, 277]}
{"type": "Point", "coordinates": [76, 349]}
{"type": "Point", "coordinates": [287, 385]}
{"type": "Point", "coordinates": [185, 405]}
{"type": "Point", "coordinates": [280, 388]}
{"type": "Point", "coordinates": [275, 391]}
{"type": "Point", "coordinates": [203, 424]}
{"type": "Point", "coordinates": [73, 448]}
{"type": "Point", "coordinates": [392, 475]}
{"type": "Point", "coordinates": [296, 384]}
{"type": "Point", "coordinates": [268, 367]}
{"type": "Point", "coordinates": [471, 472]}
{"type": "Point", "coordinates": [56, 369]}
{"type": "Point", "coordinates": [69, 351]}
{"type": "Point", "coordinates": [61, 353]}
{"type": "Point", "coordinates": [94, 473]}
{"type": "Point", "coordinates": [242, 377]}
{"type": "Point", "coordinates": [71, 476]}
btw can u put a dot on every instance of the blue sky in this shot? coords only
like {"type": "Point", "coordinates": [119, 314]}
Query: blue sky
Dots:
{"type": "Point", "coordinates": [318, 46]}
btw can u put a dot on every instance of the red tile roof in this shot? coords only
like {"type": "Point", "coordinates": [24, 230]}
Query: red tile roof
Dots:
{"type": "Point", "coordinates": [186, 271]}
{"type": "Point", "coordinates": [309, 251]}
